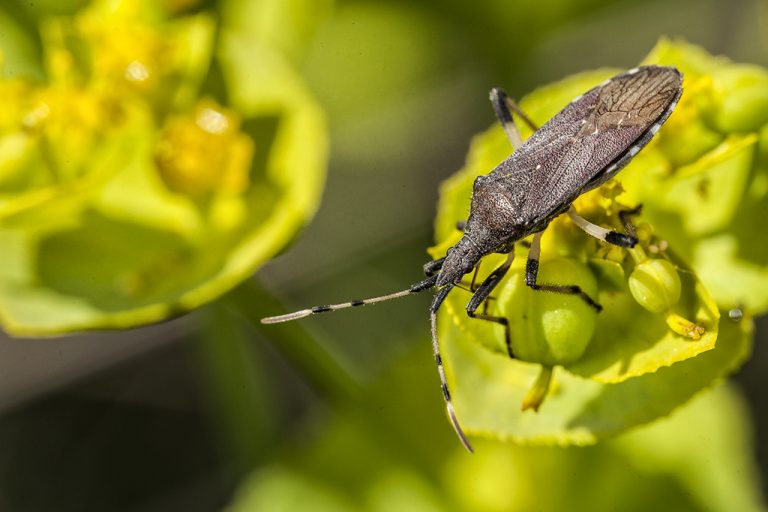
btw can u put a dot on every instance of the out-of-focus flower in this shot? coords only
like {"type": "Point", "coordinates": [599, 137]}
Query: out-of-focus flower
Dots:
{"type": "Point", "coordinates": [128, 194]}
{"type": "Point", "coordinates": [704, 186]}
{"type": "Point", "coordinates": [659, 338]}
{"type": "Point", "coordinates": [663, 466]}
{"type": "Point", "coordinates": [205, 152]}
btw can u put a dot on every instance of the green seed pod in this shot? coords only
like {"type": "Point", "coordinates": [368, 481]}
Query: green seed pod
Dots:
{"type": "Point", "coordinates": [550, 328]}
{"type": "Point", "coordinates": [655, 285]}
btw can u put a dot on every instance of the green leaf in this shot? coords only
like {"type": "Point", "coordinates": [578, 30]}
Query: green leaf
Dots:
{"type": "Point", "coordinates": [707, 446]}
{"type": "Point", "coordinates": [701, 458]}
{"type": "Point", "coordinates": [488, 389]}
{"type": "Point", "coordinates": [285, 26]}
{"type": "Point", "coordinates": [688, 58]}
{"type": "Point", "coordinates": [18, 49]}
{"type": "Point", "coordinates": [704, 195]}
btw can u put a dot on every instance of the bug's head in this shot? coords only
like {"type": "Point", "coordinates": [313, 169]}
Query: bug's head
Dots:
{"type": "Point", "coordinates": [459, 260]}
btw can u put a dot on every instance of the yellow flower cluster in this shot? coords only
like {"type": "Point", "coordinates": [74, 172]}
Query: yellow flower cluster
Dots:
{"type": "Point", "coordinates": [205, 152]}
{"type": "Point", "coordinates": [117, 66]}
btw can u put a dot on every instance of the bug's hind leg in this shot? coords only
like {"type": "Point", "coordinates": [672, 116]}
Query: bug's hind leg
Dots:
{"type": "Point", "coordinates": [599, 232]}
{"type": "Point", "coordinates": [481, 296]}
{"type": "Point", "coordinates": [532, 271]}
{"type": "Point", "coordinates": [503, 105]}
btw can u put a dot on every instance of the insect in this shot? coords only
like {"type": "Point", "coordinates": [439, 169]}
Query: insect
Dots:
{"type": "Point", "coordinates": [581, 147]}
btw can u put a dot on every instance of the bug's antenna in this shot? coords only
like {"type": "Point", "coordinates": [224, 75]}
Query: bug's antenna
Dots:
{"type": "Point", "coordinates": [414, 288]}
{"type": "Point", "coordinates": [440, 296]}
{"type": "Point", "coordinates": [438, 300]}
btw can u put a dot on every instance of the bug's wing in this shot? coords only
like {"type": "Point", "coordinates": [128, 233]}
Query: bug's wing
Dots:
{"type": "Point", "coordinates": [590, 140]}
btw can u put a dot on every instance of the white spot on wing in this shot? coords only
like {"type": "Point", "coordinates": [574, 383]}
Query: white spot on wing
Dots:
{"type": "Point", "coordinates": [671, 106]}
{"type": "Point", "coordinates": [633, 71]}
{"type": "Point", "coordinates": [655, 128]}
{"type": "Point", "coordinates": [635, 150]}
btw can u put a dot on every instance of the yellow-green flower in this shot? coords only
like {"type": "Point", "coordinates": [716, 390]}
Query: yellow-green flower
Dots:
{"type": "Point", "coordinates": [659, 338]}
{"type": "Point", "coordinates": [129, 191]}
{"type": "Point", "coordinates": [704, 185]}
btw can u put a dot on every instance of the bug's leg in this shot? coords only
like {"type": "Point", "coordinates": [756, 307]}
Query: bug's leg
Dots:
{"type": "Point", "coordinates": [461, 225]}
{"type": "Point", "coordinates": [532, 271]}
{"type": "Point", "coordinates": [481, 297]}
{"type": "Point", "coordinates": [433, 267]}
{"type": "Point", "coordinates": [503, 105]}
{"type": "Point", "coordinates": [473, 285]}
{"type": "Point", "coordinates": [599, 232]}
{"type": "Point", "coordinates": [440, 296]}
{"type": "Point", "coordinates": [624, 216]}
{"type": "Point", "coordinates": [485, 306]}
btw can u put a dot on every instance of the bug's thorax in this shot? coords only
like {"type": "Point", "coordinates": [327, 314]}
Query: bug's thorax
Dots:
{"type": "Point", "coordinates": [493, 226]}
{"type": "Point", "coordinates": [494, 212]}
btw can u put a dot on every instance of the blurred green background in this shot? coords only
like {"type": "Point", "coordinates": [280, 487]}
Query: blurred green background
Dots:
{"type": "Point", "coordinates": [344, 412]}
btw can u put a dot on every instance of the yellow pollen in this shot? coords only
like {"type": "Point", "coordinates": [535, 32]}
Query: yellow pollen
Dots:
{"type": "Point", "coordinates": [136, 72]}
{"type": "Point", "coordinates": [212, 121]}
{"type": "Point", "coordinates": [37, 115]}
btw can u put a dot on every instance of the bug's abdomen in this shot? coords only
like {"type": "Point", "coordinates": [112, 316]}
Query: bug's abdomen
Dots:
{"type": "Point", "coordinates": [590, 139]}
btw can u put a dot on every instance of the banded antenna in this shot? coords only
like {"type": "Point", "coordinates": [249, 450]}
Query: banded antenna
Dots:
{"type": "Point", "coordinates": [426, 284]}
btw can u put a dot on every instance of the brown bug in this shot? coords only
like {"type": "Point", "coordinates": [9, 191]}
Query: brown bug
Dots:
{"type": "Point", "coordinates": [581, 147]}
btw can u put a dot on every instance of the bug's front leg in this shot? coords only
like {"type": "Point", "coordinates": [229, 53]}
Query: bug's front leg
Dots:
{"type": "Point", "coordinates": [440, 296]}
{"type": "Point", "coordinates": [599, 232]}
{"type": "Point", "coordinates": [532, 272]}
{"type": "Point", "coordinates": [482, 294]}
{"type": "Point", "coordinates": [433, 267]}
{"type": "Point", "coordinates": [625, 217]}
{"type": "Point", "coordinates": [503, 105]}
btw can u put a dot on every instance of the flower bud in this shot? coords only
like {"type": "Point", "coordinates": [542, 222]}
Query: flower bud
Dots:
{"type": "Point", "coordinates": [550, 328]}
{"type": "Point", "coordinates": [205, 153]}
{"type": "Point", "coordinates": [685, 327]}
{"type": "Point", "coordinates": [741, 98]}
{"type": "Point", "coordinates": [655, 285]}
